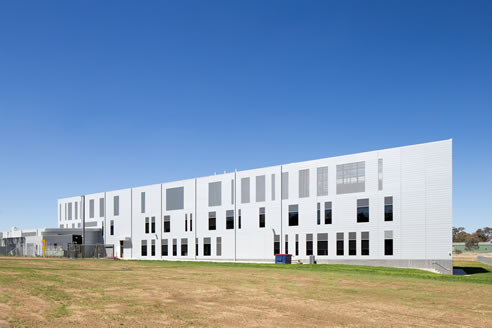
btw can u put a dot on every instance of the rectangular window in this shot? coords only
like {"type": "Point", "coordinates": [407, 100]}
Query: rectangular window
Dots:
{"type": "Point", "coordinates": [143, 250]}
{"type": "Point", "coordinates": [69, 211]}
{"type": "Point", "coordinates": [352, 243]}
{"type": "Point", "coordinates": [212, 221]}
{"type": "Point", "coordinates": [65, 217]}
{"type": "Point", "coordinates": [363, 210]}
{"type": "Point", "coordinates": [273, 186]}
{"type": "Point", "coordinates": [293, 215]}
{"type": "Point", "coordinates": [309, 244]}
{"type": "Point", "coordinates": [152, 248]}
{"type": "Point", "coordinates": [328, 213]}
{"type": "Point", "coordinates": [380, 174]}
{"type": "Point", "coordinates": [285, 185]}
{"type": "Point", "coordinates": [174, 198]}
{"type": "Point", "coordinates": [219, 246]}
{"type": "Point", "coordinates": [351, 178]}
{"type": "Point", "coordinates": [229, 219]}
{"type": "Point", "coordinates": [232, 192]}
{"type": "Point", "coordinates": [245, 190]}
{"type": "Point", "coordinates": [59, 206]}
{"type": "Point", "coordinates": [164, 248]}
{"type": "Point", "coordinates": [186, 222]}
{"type": "Point", "coordinates": [147, 225]}
{"type": "Point", "coordinates": [91, 208]}
{"type": "Point", "coordinates": [175, 247]}
{"type": "Point", "coordinates": [101, 207]}
{"type": "Point", "coordinates": [297, 245]}
{"type": "Point", "coordinates": [322, 181]}
{"type": "Point", "coordinates": [207, 247]}
{"type": "Point", "coordinates": [322, 243]}
{"type": "Point", "coordinates": [167, 223]}
{"type": "Point", "coordinates": [340, 244]}
{"type": "Point", "coordinates": [184, 246]}
{"type": "Point", "coordinates": [318, 214]}
{"type": "Point", "coordinates": [191, 222]}
{"type": "Point", "coordinates": [239, 219]}
{"type": "Point", "coordinates": [286, 244]}
{"type": "Point", "coordinates": [111, 228]}
{"type": "Point", "coordinates": [388, 208]}
{"type": "Point", "coordinates": [142, 202]}
{"type": "Point", "coordinates": [388, 243]}
{"type": "Point", "coordinates": [153, 225]}
{"type": "Point", "coordinates": [76, 212]}
{"type": "Point", "coordinates": [262, 217]}
{"type": "Point", "coordinates": [303, 183]}
{"type": "Point", "coordinates": [260, 188]}
{"type": "Point", "coordinates": [276, 244]}
{"type": "Point", "coordinates": [215, 193]}
{"type": "Point", "coordinates": [196, 246]}
{"type": "Point", "coordinates": [364, 243]}
{"type": "Point", "coordinates": [116, 205]}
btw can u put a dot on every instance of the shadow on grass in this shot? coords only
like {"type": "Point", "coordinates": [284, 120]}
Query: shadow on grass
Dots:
{"type": "Point", "coordinates": [472, 270]}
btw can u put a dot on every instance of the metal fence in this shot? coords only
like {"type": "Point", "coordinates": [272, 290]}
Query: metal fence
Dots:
{"type": "Point", "coordinates": [96, 251]}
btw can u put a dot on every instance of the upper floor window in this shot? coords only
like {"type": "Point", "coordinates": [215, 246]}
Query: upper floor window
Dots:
{"type": "Point", "coordinates": [229, 219]}
{"type": "Point", "coordinates": [388, 208]}
{"type": "Point", "coordinates": [328, 213]}
{"type": "Point", "coordinates": [167, 223]}
{"type": "Point", "coordinates": [260, 188]}
{"type": "Point", "coordinates": [245, 192]}
{"type": "Point", "coordinates": [363, 210]}
{"type": "Point", "coordinates": [212, 221]}
{"type": "Point", "coordinates": [91, 208]}
{"type": "Point", "coordinates": [303, 183]}
{"type": "Point", "coordinates": [380, 174]}
{"type": "Point", "coordinates": [351, 178]}
{"type": "Point", "coordinates": [147, 230]}
{"type": "Point", "coordinates": [322, 181]}
{"type": "Point", "coordinates": [262, 217]}
{"type": "Point", "coordinates": [101, 207]}
{"type": "Point", "coordinates": [152, 227]}
{"type": "Point", "coordinates": [116, 205]}
{"type": "Point", "coordinates": [215, 193]}
{"type": "Point", "coordinates": [142, 202]}
{"type": "Point", "coordinates": [293, 215]}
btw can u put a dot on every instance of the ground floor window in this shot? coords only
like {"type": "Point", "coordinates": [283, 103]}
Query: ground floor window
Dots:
{"type": "Point", "coordinates": [152, 248]}
{"type": "Point", "coordinates": [340, 251]}
{"type": "Point", "coordinates": [364, 243]}
{"type": "Point", "coordinates": [309, 244]}
{"type": "Point", "coordinates": [218, 248]}
{"type": "Point", "coordinates": [352, 243]}
{"type": "Point", "coordinates": [143, 251]}
{"type": "Point", "coordinates": [207, 247]}
{"type": "Point", "coordinates": [175, 247]}
{"type": "Point", "coordinates": [388, 243]}
{"type": "Point", "coordinates": [297, 245]}
{"type": "Point", "coordinates": [322, 243]}
{"type": "Point", "coordinates": [164, 249]}
{"type": "Point", "coordinates": [184, 246]}
{"type": "Point", "coordinates": [196, 246]}
{"type": "Point", "coordinates": [286, 244]}
{"type": "Point", "coordinates": [276, 244]}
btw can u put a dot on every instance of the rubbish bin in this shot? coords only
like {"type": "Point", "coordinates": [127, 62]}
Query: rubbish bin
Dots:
{"type": "Point", "coordinates": [312, 259]}
{"type": "Point", "coordinates": [283, 258]}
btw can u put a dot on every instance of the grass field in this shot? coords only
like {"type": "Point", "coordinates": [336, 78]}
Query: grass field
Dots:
{"type": "Point", "coordinates": [99, 293]}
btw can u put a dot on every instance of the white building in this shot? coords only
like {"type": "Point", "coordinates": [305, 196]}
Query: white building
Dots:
{"type": "Point", "coordinates": [390, 207]}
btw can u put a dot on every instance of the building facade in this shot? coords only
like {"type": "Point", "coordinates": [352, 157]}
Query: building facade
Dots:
{"type": "Point", "coordinates": [391, 207]}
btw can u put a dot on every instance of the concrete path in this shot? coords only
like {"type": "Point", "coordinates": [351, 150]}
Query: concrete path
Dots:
{"type": "Point", "coordinates": [485, 260]}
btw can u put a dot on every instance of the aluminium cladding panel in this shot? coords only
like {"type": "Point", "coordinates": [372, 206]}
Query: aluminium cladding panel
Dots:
{"type": "Point", "coordinates": [182, 208]}
{"type": "Point", "coordinates": [222, 205]}
{"type": "Point", "coordinates": [253, 242]}
{"type": "Point", "coordinates": [121, 216]}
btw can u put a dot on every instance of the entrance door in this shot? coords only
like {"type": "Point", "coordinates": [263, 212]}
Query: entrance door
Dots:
{"type": "Point", "coordinates": [121, 249]}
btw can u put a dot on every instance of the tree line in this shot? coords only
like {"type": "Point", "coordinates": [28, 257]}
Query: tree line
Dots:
{"type": "Point", "coordinates": [471, 240]}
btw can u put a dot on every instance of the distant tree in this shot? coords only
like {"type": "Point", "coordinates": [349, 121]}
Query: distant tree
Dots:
{"type": "Point", "coordinates": [488, 233]}
{"type": "Point", "coordinates": [481, 235]}
{"type": "Point", "coordinates": [459, 235]}
{"type": "Point", "coordinates": [471, 243]}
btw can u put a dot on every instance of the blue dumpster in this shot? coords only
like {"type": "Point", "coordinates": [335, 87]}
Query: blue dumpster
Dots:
{"type": "Point", "coordinates": [283, 258]}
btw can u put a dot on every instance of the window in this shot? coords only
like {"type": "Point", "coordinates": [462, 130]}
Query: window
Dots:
{"type": "Point", "coordinates": [388, 208]}
{"type": "Point", "coordinates": [362, 210]}
{"type": "Point", "coordinates": [147, 225]}
{"type": "Point", "coordinates": [175, 247]}
{"type": "Point", "coordinates": [76, 210]}
{"type": "Point", "coordinates": [116, 205]}
{"type": "Point", "coordinates": [152, 248]}
{"type": "Point", "coordinates": [276, 244]}
{"type": "Point", "coordinates": [70, 211]}
{"type": "Point", "coordinates": [142, 202]}
{"type": "Point", "coordinates": [164, 249]}
{"type": "Point", "coordinates": [211, 221]}
{"type": "Point", "coordinates": [297, 245]}
{"type": "Point", "coordinates": [91, 208]}
{"type": "Point", "coordinates": [328, 213]}
{"type": "Point", "coordinates": [153, 225]}
{"type": "Point", "coordinates": [167, 223]}
{"type": "Point", "coordinates": [273, 186]}
{"type": "Point", "coordinates": [59, 206]}
{"type": "Point", "coordinates": [101, 207]}
{"type": "Point", "coordinates": [191, 222]}
{"type": "Point", "coordinates": [340, 243]}
{"type": "Point", "coordinates": [352, 243]}
{"type": "Point", "coordinates": [318, 214]}
{"type": "Point", "coordinates": [229, 219]}
{"type": "Point", "coordinates": [143, 251]}
{"type": "Point", "coordinates": [388, 243]}
{"type": "Point", "coordinates": [322, 244]}
{"type": "Point", "coordinates": [184, 246]}
{"type": "Point", "coordinates": [232, 192]}
{"type": "Point", "coordinates": [322, 181]}
{"type": "Point", "coordinates": [245, 190]}
{"type": "Point", "coordinates": [207, 248]}
{"type": "Point", "coordinates": [260, 188]}
{"type": "Point", "coordinates": [174, 198]}
{"type": "Point", "coordinates": [303, 183]}
{"type": "Point", "coordinates": [286, 244]}
{"type": "Point", "coordinates": [364, 243]}
{"type": "Point", "coordinates": [293, 215]}
{"type": "Point", "coordinates": [111, 228]}
{"type": "Point", "coordinates": [351, 178]}
{"type": "Point", "coordinates": [239, 219]}
{"type": "Point", "coordinates": [309, 244]}
{"type": "Point", "coordinates": [218, 249]}
{"type": "Point", "coordinates": [380, 174]}
{"type": "Point", "coordinates": [285, 185]}
{"type": "Point", "coordinates": [215, 193]}
{"type": "Point", "coordinates": [186, 222]}
{"type": "Point", "coordinates": [196, 246]}
{"type": "Point", "coordinates": [262, 217]}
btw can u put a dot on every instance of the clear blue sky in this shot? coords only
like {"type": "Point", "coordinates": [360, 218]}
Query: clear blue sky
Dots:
{"type": "Point", "coordinates": [102, 95]}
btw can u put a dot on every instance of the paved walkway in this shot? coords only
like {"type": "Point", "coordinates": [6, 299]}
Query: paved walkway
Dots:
{"type": "Point", "coordinates": [485, 260]}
